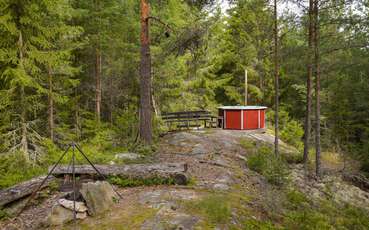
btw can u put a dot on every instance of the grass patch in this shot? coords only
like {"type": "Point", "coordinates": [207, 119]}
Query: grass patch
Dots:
{"type": "Point", "coordinates": [134, 182]}
{"type": "Point", "coordinates": [253, 224]}
{"type": "Point", "coordinates": [215, 209]}
{"type": "Point", "coordinates": [301, 213]}
{"type": "Point", "coordinates": [332, 159]}
{"type": "Point", "coordinates": [127, 218]}
{"type": "Point", "coordinates": [248, 144]}
{"type": "Point", "coordinates": [192, 181]}
{"type": "Point", "coordinates": [3, 214]}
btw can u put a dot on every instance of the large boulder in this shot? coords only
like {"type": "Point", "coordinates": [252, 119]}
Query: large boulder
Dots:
{"type": "Point", "coordinates": [99, 196]}
{"type": "Point", "coordinates": [60, 215]}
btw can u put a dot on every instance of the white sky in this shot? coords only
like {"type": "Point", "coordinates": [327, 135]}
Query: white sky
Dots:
{"type": "Point", "coordinates": [285, 5]}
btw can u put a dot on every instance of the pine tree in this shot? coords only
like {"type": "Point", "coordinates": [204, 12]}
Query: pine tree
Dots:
{"type": "Point", "coordinates": [145, 76]}
{"type": "Point", "coordinates": [31, 32]}
{"type": "Point", "coordinates": [308, 83]}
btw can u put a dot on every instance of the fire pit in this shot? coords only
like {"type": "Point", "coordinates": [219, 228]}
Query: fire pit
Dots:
{"type": "Point", "coordinates": [242, 117]}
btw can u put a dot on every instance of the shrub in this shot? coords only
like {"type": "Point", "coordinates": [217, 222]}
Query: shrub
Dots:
{"type": "Point", "coordinates": [296, 199]}
{"type": "Point", "coordinates": [272, 167]}
{"type": "Point", "coordinates": [292, 134]}
{"type": "Point", "coordinates": [252, 224]}
{"type": "Point", "coordinates": [291, 131]}
{"type": "Point", "coordinates": [292, 157]}
{"type": "Point", "coordinates": [354, 218]}
{"type": "Point", "coordinates": [14, 169]}
{"type": "Point", "coordinates": [3, 214]}
{"type": "Point", "coordinates": [134, 182]}
{"type": "Point", "coordinates": [307, 219]}
{"type": "Point", "coordinates": [301, 213]}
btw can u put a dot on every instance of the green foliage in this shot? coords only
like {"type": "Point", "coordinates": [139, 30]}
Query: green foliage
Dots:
{"type": "Point", "coordinates": [307, 220]}
{"type": "Point", "coordinates": [291, 131]}
{"type": "Point", "coordinates": [292, 134]}
{"type": "Point", "coordinates": [36, 44]}
{"type": "Point", "coordinates": [145, 149]}
{"type": "Point", "coordinates": [215, 208]}
{"type": "Point", "coordinates": [3, 214]}
{"type": "Point", "coordinates": [296, 199]}
{"type": "Point", "coordinates": [126, 123]}
{"type": "Point", "coordinates": [134, 182]}
{"type": "Point", "coordinates": [248, 144]}
{"type": "Point", "coordinates": [292, 156]}
{"type": "Point", "coordinates": [301, 213]}
{"type": "Point", "coordinates": [14, 169]}
{"type": "Point", "coordinates": [272, 167]}
{"type": "Point", "coordinates": [192, 181]}
{"type": "Point", "coordinates": [252, 224]}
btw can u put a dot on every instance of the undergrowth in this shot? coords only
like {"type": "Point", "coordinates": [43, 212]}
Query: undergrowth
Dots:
{"type": "Point", "coordinates": [100, 149]}
{"type": "Point", "coordinates": [3, 214]}
{"type": "Point", "coordinates": [134, 182]}
{"type": "Point", "coordinates": [302, 213]}
{"type": "Point", "coordinates": [272, 167]}
{"type": "Point", "coordinates": [15, 169]}
{"type": "Point", "coordinates": [215, 208]}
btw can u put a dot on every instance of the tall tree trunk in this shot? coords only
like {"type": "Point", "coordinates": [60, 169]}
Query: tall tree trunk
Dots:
{"type": "Point", "coordinates": [51, 105]}
{"type": "Point", "coordinates": [98, 83]}
{"type": "Point", "coordinates": [24, 141]}
{"type": "Point", "coordinates": [317, 89]}
{"type": "Point", "coordinates": [276, 79]}
{"type": "Point", "coordinates": [145, 78]}
{"type": "Point", "coordinates": [76, 116]}
{"type": "Point", "coordinates": [308, 85]}
{"type": "Point", "coordinates": [111, 105]}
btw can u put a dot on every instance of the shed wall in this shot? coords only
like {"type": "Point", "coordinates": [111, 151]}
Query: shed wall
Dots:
{"type": "Point", "coordinates": [232, 119]}
{"type": "Point", "coordinates": [243, 119]}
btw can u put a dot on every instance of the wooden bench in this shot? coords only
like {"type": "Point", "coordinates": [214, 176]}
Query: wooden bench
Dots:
{"type": "Point", "coordinates": [187, 119]}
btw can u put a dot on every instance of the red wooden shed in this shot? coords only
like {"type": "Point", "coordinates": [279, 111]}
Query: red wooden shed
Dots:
{"type": "Point", "coordinates": [243, 117]}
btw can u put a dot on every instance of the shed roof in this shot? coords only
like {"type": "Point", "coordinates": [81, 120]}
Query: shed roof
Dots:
{"type": "Point", "coordinates": [242, 107]}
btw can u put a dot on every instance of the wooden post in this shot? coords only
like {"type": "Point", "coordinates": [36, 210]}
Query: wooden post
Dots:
{"type": "Point", "coordinates": [245, 86]}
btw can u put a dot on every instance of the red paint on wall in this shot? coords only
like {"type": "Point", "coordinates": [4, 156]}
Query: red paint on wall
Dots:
{"type": "Point", "coordinates": [233, 119]}
{"type": "Point", "coordinates": [250, 119]}
{"type": "Point", "coordinates": [244, 118]}
{"type": "Point", "coordinates": [262, 119]}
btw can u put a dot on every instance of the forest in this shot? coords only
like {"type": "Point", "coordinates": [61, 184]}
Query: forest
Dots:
{"type": "Point", "coordinates": [96, 73]}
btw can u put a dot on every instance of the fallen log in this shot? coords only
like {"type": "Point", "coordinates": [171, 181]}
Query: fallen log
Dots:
{"type": "Point", "coordinates": [23, 189]}
{"type": "Point", "coordinates": [175, 171]}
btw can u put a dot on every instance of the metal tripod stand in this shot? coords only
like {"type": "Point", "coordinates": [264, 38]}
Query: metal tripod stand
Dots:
{"type": "Point", "coordinates": [74, 147]}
